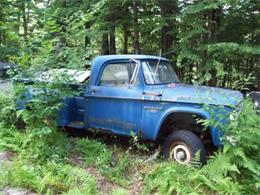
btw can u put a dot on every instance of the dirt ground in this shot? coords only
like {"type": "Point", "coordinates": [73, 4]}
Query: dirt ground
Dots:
{"type": "Point", "coordinates": [136, 183]}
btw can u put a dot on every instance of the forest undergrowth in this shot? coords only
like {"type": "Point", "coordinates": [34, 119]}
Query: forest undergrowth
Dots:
{"type": "Point", "coordinates": [48, 160]}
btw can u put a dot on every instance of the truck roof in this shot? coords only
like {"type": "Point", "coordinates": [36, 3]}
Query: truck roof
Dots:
{"type": "Point", "coordinates": [127, 56]}
{"type": "Point", "coordinates": [99, 61]}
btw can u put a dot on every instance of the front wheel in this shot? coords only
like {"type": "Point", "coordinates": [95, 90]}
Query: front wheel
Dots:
{"type": "Point", "coordinates": [183, 147]}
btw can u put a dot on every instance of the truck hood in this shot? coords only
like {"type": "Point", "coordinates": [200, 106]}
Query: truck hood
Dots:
{"type": "Point", "coordinates": [200, 95]}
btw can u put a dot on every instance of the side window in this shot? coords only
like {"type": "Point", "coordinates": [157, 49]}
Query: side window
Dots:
{"type": "Point", "coordinates": [119, 74]}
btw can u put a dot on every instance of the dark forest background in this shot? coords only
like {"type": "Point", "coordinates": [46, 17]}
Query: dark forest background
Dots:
{"type": "Point", "coordinates": [213, 42]}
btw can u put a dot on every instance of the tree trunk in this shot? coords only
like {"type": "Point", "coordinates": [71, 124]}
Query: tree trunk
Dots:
{"type": "Point", "coordinates": [1, 30]}
{"type": "Point", "coordinates": [214, 24]}
{"type": "Point", "coordinates": [126, 34]}
{"type": "Point", "coordinates": [105, 44]}
{"type": "Point", "coordinates": [25, 22]}
{"type": "Point", "coordinates": [18, 23]}
{"type": "Point", "coordinates": [190, 73]}
{"type": "Point", "coordinates": [87, 39]}
{"type": "Point", "coordinates": [112, 40]}
{"type": "Point", "coordinates": [168, 37]}
{"type": "Point", "coordinates": [136, 43]}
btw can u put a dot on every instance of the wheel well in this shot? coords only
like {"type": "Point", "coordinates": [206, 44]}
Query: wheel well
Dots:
{"type": "Point", "coordinates": [185, 121]}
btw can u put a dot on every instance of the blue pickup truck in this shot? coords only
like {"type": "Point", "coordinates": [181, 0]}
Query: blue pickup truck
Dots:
{"type": "Point", "coordinates": [142, 95]}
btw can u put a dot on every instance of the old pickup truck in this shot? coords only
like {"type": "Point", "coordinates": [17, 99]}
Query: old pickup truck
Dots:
{"type": "Point", "coordinates": [142, 95]}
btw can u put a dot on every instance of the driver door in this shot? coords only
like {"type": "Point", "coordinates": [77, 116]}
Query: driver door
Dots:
{"type": "Point", "coordinates": [115, 104]}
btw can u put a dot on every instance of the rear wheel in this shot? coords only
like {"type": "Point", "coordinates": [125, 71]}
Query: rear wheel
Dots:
{"type": "Point", "coordinates": [182, 146]}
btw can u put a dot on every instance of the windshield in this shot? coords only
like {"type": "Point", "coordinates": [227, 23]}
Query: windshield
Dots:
{"type": "Point", "coordinates": [159, 72]}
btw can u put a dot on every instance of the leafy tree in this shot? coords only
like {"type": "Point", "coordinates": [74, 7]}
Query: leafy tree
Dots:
{"type": "Point", "coordinates": [211, 42]}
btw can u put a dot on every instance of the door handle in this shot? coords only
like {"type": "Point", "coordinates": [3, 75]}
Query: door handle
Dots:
{"type": "Point", "coordinates": [152, 94]}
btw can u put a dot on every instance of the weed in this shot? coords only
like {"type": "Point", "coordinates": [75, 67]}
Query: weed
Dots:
{"type": "Point", "coordinates": [51, 177]}
{"type": "Point", "coordinates": [7, 110]}
{"type": "Point", "coordinates": [120, 191]}
{"type": "Point", "coordinates": [114, 167]}
{"type": "Point", "coordinates": [118, 172]}
{"type": "Point", "coordinates": [136, 142]}
{"type": "Point", "coordinates": [94, 152]}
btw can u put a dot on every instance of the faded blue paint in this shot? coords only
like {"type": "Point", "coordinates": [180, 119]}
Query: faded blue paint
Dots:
{"type": "Point", "coordinates": [141, 108]}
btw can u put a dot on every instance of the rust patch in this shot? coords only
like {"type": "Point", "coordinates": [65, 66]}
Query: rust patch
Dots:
{"type": "Point", "coordinates": [112, 123]}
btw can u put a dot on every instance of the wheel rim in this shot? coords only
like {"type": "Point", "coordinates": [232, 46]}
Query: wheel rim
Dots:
{"type": "Point", "coordinates": [181, 153]}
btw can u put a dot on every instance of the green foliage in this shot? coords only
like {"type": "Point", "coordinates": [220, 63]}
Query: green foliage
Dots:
{"type": "Point", "coordinates": [208, 52]}
{"type": "Point", "coordinates": [136, 142]}
{"type": "Point", "coordinates": [40, 149]}
{"type": "Point", "coordinates": [212, 42]}
{"type": "Point", "coordinates": [120, 191]}
{"type": "Point", "coordinates": [119, 169]}
{"type": "Point", "coordinates": [45, 144]}
{"type": "Point", "coordinates": [10, 139]}
{"type": "Point", "coordinates": [43, 141]}
{"type": "Point", "coordinates": [7, 110]}
{"type": "Point", "coordinates": [94, 152]}
{"type": "Point", "coordinates": [113, 166]}
{"type": "Point", "coordinates": [49, 179]}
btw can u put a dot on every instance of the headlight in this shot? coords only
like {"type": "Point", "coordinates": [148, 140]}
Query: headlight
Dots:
{"type": "Point", "coordinates": [233, 116]}
{"type": "Point", "coordinates": [232, 140]}
{"type": "Point", "coordinates": [235, 113]}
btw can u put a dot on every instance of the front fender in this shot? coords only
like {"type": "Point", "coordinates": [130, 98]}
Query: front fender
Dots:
{"type": "Point", "coordinates": [151, 129]}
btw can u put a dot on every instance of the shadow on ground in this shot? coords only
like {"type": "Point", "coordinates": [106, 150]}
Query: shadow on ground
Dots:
{"type": "Point", "coordinates": [122, 142]}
